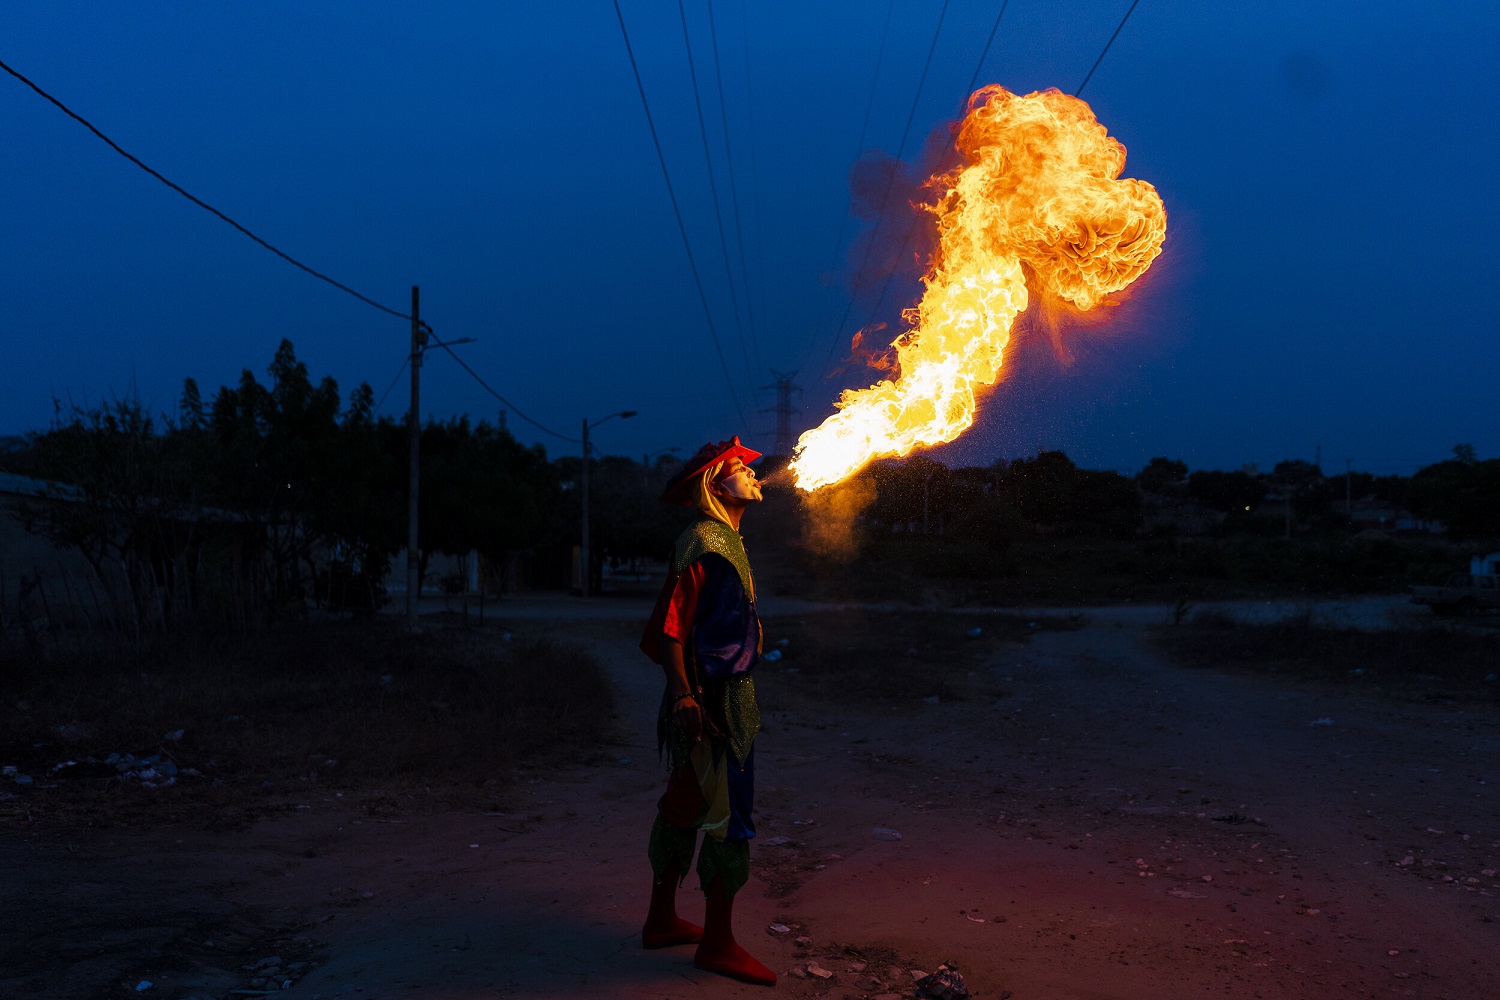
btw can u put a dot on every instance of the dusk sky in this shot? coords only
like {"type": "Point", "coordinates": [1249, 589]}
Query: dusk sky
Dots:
{"type": "Point", "coordinates": [1329, 172]}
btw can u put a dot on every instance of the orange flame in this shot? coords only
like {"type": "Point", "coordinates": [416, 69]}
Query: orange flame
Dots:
{"type": "Point", "coordinates": [1039, 193]}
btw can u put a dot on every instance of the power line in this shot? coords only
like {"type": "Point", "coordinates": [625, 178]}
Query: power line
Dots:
{"type": "Point", "coordinates": [891, 180]}
{"type": "Point", "coordinates": [864, 131]}
{"type": "Point", "coordinates": [911, 116]}
{"type": "Point", "coordinates": [948, 158]}
{"type": "Point", "coordinates": [487, 388]}
{"type": "Point", "coordinates": [760, 247]}
{"type": "Point", "coordinates": [979, 66]}
{"type": "Point", "coordinates": [198, 201]}
{"type": "Point", "coordinates": [1107, 44]}
{"type": "Point", "coordinates": [734, 189]}
{"type": "Point", "coordinates": [885, 288]}
{"type": "Point", "coordinates": [292, 260]}
{"type": "Point", "coordinates": [677, 211]}
{"type": "Point", "coordinates": [713, 188]}
{"type": "Point", "coordinates": [381, 402]}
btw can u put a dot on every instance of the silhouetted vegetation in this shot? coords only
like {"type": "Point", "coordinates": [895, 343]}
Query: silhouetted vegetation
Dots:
{"type": "Point", "coordinates": [275, 499]}
{"type": "Point", "coordinates": [282, 497]}
{"type": "Point", "coordinates": [1042, 530]}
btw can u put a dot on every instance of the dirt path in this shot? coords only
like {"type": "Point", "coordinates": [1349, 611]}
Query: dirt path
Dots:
{"type": "Point", "coordinates": [1111, 827]}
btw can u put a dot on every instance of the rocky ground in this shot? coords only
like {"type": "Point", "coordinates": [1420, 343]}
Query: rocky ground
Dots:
{"type": "Point", "coordinates": [1103, 823]}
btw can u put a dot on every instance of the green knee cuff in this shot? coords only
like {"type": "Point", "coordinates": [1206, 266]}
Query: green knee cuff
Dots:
{"type": "Point", "coordinates": [670, 850]}
{"type": "Point", "coordinates": [727, 860]}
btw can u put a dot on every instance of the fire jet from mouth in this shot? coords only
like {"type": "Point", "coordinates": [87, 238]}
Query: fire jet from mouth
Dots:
{"type": "Point", "coordinates": [1038, 194]}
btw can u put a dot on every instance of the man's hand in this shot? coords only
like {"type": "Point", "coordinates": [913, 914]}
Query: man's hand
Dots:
{"type": "Point", "coordinates": [687, 712]}
{"type": "Point", "coordinates": [688, 715]}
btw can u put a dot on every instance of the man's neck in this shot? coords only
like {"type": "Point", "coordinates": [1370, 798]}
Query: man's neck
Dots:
{"type": "Point", "coordinates": [735, 512]}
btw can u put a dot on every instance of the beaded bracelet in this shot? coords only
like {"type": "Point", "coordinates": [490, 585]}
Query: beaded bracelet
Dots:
{"type": "Point", "coordinates": [686, 694]}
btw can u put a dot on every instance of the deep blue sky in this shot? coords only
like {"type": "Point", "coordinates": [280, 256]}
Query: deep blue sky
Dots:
{"type": "Point", "coordinates": [1329, 171]}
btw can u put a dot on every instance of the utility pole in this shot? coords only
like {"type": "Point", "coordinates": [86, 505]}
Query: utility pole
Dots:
{"type": "Point", "coordinates": [782, 383]}
{"type": "Point", "coordinates": [583, 554]}
{"type": "Point", "coordinates": [414, 470]}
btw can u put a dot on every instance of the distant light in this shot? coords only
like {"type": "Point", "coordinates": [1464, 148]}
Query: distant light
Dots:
{"type": "Point", "coordinates": [1247, 508]}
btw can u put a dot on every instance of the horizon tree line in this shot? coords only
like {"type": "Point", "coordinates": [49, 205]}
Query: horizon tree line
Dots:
{"type": "Point", "coordinates": [281, 497]}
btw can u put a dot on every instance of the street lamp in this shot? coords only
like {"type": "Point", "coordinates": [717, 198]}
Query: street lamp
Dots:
{"type": "Point", "coordinates": [583, 554]}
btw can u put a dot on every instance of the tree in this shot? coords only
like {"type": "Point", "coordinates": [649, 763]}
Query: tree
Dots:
{"type": "Point", "coordinates": [1296, 472]}
{"type": "Point", "coordinates": [913, 492]}
{"type": "Point", "coordinates": [1162, 475]}
{"type": "Point", "coordinates": [126, 497]}
{"type": "Point", "coordinates": [1226, 491]}
{"type": "Point", "coordinates": [1464, 496]}
{"type": "Point", "coordinates": [278, 443]}
{"type": "Point", "coordinates": [314, 484]}
{"type": "Point", "coordinates": [1049, 489]}
{"type": "Point", "coordinates": [627, 521]}
{"type": "Point", "coordinates": [481, 490]}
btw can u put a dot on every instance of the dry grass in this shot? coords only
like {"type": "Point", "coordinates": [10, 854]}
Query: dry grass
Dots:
{"type": "Point", "coordinates": [364, 709]}
{"type": "Point", "coordinates": [1427, 664]}
{"type": "Point", "coordinates": [889, 659]}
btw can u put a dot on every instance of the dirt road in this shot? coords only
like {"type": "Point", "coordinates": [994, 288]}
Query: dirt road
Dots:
{"type": "Point", "coordinates": [1108, 826]}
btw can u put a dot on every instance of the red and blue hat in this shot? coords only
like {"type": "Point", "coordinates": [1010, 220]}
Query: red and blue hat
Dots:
{"type": "Point", "coordinates": [680, 490]}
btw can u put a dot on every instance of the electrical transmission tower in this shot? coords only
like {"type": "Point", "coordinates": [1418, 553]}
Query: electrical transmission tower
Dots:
{"type": "Point", "coordinates": [784, 388]}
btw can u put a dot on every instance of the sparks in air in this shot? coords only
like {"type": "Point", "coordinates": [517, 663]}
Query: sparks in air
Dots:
{"type": "Point", "coordinates": [1039, 192]}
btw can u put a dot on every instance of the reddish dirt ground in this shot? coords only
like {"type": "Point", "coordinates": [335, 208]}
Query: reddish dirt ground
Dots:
{"type": "Point", "coordinates": [1110, 826]}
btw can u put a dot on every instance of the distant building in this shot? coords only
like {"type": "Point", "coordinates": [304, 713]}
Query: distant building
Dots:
{"type": "Point", "coordinates": [40, 583]}
{"type": "Point", "coordinates": [1373, 514]}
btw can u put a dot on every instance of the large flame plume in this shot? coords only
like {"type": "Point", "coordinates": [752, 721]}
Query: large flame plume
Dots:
{"type": "Point", "coordinates": [1038, 195]}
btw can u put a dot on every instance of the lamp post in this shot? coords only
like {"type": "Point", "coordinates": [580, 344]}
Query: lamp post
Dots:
{"type": "Point", "coordinates": [583, 554]}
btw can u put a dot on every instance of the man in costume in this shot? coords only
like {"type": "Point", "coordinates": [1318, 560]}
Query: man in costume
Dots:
{"type": "Point", "coordinates": [706, 636]}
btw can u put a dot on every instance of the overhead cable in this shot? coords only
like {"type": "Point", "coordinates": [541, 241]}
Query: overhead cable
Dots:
{"type": "Point", "coordinates": [948, 159]}
{"type": "Point", "coordinates": [974, 79]}
{"type": "Point", "coordinates": [760, 249]}
{"type": "Point", "coordinates": [677, 211]}
{"type": "Point", "coordinates": [487, 388]}
{"type": "Point", "coordinates": [979, 66]}
{"type": "Point", "coordinates": [734, 190]}
{"type": "Point", "coordinates": [292, 260]}
{"type": "Point", "coordinates": [859, 149]}
{"type": "Point", "coordinates": [200, 202]}
{"type": "Point", "coordinates": [381, 402]}
{"type": "Point", "coordinates": [713, 188]}
{"type": "Point", "coordinates": [891, 180]}
{"type": "Point", "coordinates": [1107, 44]}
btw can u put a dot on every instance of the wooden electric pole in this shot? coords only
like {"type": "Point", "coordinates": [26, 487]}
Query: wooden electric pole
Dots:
{"type": "Point", "coordinates": [583, 550]}
{"type": "Point", "coordinates": [413, 484]}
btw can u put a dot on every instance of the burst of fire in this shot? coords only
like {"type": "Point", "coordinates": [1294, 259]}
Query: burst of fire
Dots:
{"type": "Point", "coordinates": [1039, 193]}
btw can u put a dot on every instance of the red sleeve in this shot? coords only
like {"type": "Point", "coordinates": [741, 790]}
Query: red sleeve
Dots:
{"type": "Point", "coordinates": [674, 612]}
{"type": "Point", "coordinates": [677, 623]}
